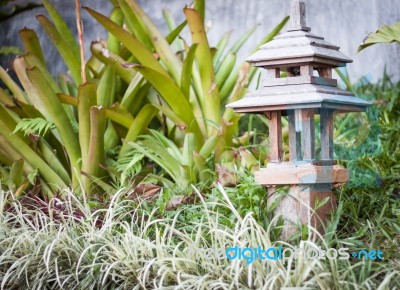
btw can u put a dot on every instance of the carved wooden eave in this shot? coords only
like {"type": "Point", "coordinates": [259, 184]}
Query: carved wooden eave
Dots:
{"type": "Point", "coordinates": [300, 96]}
{"type": "Point", "coordinates": [297, 48]}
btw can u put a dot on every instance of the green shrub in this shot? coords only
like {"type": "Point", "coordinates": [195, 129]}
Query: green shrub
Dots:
{"type": "Point", "coordinates": [79, 134]}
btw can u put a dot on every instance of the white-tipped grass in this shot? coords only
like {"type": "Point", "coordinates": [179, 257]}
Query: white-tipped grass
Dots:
{"type": "Point", "coordinates": [127, 247]}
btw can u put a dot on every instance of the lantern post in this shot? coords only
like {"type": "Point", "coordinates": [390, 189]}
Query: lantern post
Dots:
{"type": "Point", "coordinates": [307, 90]}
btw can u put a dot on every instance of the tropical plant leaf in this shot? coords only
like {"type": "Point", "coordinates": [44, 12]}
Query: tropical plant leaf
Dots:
{"type": "Point", "coordinates": [13, 87]}
{"type": "Point", "coordinates": [7, 126]}
{"type": "Point", "coordinates": [10, 50]}
{"type": "Point", "coordinates": [174, 97]}
{"type": "Point", "coordinates": [31, 43]}
{"type": "Point", "coordinates": [63, 29]}
{"type": "Point", "coordinates": [385, 34]}
{"type": "Point", "coordinates": [221, 45]}
{"type": "Point", "coordinates": [139, 124]}
{"type": "Point", "coordinates": [187, 71]}
{"type": "Point", "coordinates": [210, 102]}
{"type": "Point", "coordinates": [113, 44]}
{"type": "Point", "coordinates": [161, 45]}
{"type": "Point", "coordinates": [141, 53]}
{"type": "Point", "coordinates": [239, 43]}
{"type": "Point", "coordinates": [126, 72]}
{"type": "Point", "coordinates": [96, 152]}
{"type": "Point", "coordinates": [134, 25]}
{"type": "Point", "coordinates": [174, 33]}
{"type": "Point", "coordinates": [67, 53]}
{"type": "Point", "coordinates": [56, 112]}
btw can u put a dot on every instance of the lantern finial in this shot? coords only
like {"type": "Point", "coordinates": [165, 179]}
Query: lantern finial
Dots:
{"type": "Point", "coordinates": [298, 16]}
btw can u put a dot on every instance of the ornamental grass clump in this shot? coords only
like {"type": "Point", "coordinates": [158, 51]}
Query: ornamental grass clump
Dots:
{"type": "Point", "coordinates": [125, 246]}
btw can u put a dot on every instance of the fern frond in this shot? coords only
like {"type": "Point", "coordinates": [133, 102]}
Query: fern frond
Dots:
{"type": "Point", "coordinates": [37, 126]}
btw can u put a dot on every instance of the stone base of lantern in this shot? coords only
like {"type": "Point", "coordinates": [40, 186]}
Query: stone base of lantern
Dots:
{"type": "Point", "coordinates": [310, 185]}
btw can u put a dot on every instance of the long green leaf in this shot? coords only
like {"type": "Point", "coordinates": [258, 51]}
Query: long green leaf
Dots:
{"type": "Point", "coordinates": [50, 156]}
{"type": "Point", "coordinates": [5, 98]}
{"type": "Point", "coordinates": [210, 101]}
{"type": "Point", "coordinates": [134, 25]}
{"type": "Point", "coordinates": [122, 118]}
{"type": "Point", "coordinates": [225, 69]}
{"type": "Point", "coordinates": [187, 70]}
{"type": "Point", "coordinates": [235, 48]}
{"type": "Point", "coordinates": [174, 34]}
{"type": "Point", "coordinates": [31, 43]}
{"type": "Point", "coordinates": [106, 87]}
{"type": "Point", "coordinates": [7, 126]}
{"type": "Point", "coordinates": [33, 61]}
{"type": "Point", "coordinates": [162, 47]}
{"type": "Point", "coordinates": [14, 88]}
{"type": "Point", "coordinates": [174, 98]}
{"type": "Point", "coordinates": [131, 92]}
{"type": "Point", "coordinates": [66, 52]}
{"type": "Point", "coordinates": [57, 115]}
{"type": "Point", "coordinates": [20, 67]}
{"type": "Point", "coordinates": [96, 147]}
{"type": "Point", "coordinates": [140, 123]}
{"type": "Point", "coordinates": [188, 149]}
{"type": "Point", "coordinates": [209, 146]}
{"type": "Point", "coordinates": [16, 173]}
{"type": "Point", "coordinates": [137, 49]}
{"type": "Point", "coordinates": [86, 99]}
{"type": "Point", "coordinates": [108, 57]}
{"type": "Point", "coordinates": [62, 29]}
{"type": "Point", "coordinates": [220, 48]}
{"type": "Point", "coordinates": [113, 43]}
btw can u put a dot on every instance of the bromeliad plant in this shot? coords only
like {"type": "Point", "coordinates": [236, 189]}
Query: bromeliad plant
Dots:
{"type": "Point", "coordinates": [60, 129]}
{"type": "Point", "coordinates": [192, 86]}
{"type": "Point", "coordinates": [78, 129]}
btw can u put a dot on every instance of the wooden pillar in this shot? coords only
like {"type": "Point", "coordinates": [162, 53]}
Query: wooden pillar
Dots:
{"type": "Point", "coordinates": [275, 137]}
{"type": "Point", "coordinates": [308, 134]}
{"type": "Point", "coordinates": [294, 138]}
{"type": "Point", "coordinates": [306, 70]}
{"type": "Point", "coordinates": [326, 72]}
{"type": "Point", "coordinates": [326, 122]}
{"type": "Point", "coordinates": [273, 73]}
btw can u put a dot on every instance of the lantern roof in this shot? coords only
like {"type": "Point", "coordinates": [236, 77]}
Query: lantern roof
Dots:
{"type": "Point", "coordinates": [300, 53]}
{"type": "Point", "coordinates": [298, 46]}
{"type": "Point", "coordinates": [302, 96]}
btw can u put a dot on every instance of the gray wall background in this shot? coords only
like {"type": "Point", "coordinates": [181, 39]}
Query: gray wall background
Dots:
{"type": "Point", "coordinates": [342, 22]}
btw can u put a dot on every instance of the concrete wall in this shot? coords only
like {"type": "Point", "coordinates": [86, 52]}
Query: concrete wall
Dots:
{"type": "Point", "coordinates": [342, 22]}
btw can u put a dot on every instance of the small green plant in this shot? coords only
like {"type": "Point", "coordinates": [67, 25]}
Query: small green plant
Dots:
{"type": "Point", "coordinates": [385, 34]}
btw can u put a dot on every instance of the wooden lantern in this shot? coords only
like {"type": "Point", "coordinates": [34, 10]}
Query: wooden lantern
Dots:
{"type": "Point", "coordinates": [307, 90]}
